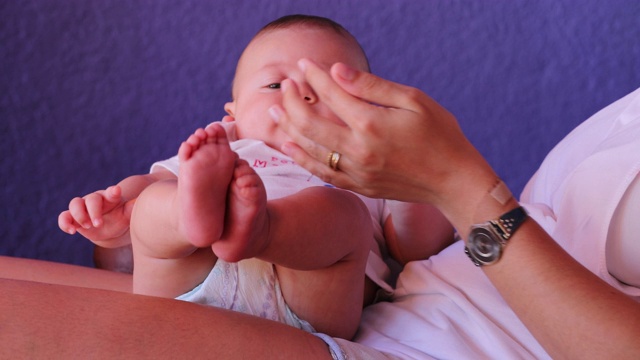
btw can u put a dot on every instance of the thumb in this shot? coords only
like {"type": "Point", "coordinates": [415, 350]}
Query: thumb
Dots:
{"type": "Point", "coordinates": [128, 208]}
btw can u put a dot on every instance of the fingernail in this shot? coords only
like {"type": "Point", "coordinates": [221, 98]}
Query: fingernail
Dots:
{"type": "Point", "coordinates": [302, 64]}
{"type": "Point", "coordinates": [274, 113]}
{"type": "Point", "coordinates": [345, 72]}
{"type": "Point", "coordinates": [96, 223]}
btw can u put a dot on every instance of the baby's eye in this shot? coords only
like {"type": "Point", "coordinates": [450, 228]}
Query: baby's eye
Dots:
{"type": "Point", "coordinates": [274, 86]}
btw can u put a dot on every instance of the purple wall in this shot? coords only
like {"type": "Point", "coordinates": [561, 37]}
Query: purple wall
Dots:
{"type": "Point", "coordinates": [95, 90]}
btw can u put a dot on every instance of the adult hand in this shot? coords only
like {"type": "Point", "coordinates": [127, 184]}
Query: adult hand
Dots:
{"type": "Point", "coordinates": [397, 143]}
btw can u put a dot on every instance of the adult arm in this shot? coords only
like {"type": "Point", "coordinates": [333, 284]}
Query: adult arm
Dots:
{"type": "Point", "coordinates": [52, 321]}
{"type": "Point", "coordinates": [407, 147]}
{"type": "Point", "coordinates": [63, 274]}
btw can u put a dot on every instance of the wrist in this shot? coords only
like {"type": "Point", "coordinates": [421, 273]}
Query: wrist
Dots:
{"type": "Point", "coordinates": [472, 202]}
{"type": "Point", "coordinates": [486, 241]}
{"type": "Point", "coordinates": [494, 219]}
{"type": "Point", "coordinates": [495, 201]}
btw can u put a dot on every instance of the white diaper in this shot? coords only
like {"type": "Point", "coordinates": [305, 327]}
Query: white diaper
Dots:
{"type": "Point", "coordinates": [249, 286]}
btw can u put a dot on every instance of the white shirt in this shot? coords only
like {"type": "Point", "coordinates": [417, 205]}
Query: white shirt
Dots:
{"type": "Point", "coordinates": [446, 308]}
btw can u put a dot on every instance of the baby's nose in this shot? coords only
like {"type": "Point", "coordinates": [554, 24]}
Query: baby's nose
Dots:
{"type": "Point", "coordinates": [308, 95]}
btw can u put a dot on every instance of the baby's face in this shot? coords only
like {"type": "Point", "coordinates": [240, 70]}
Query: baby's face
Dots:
{"type": "Point", "coordinates": [272, 57]}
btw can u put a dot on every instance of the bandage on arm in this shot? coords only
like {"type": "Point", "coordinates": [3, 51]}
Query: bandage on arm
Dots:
{"type": "Point", "coordinates": [623, 239]}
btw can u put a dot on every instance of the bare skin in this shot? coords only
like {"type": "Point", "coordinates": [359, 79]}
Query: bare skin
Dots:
{"type": "Point", "coordinates": [63, 274]}
{"type": "Point", "coordinates": [218, 209]}
{"type": "Point", "coordinates": [176, 223]}
{"type": "Point", "coordinates": [116, 325]}
{"type": "Point", "coordinates": [207, 165]}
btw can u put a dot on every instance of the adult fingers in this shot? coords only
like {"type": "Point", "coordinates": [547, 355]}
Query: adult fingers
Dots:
{"type": "Point", "coordinates": [309, 130]}
{"type": "Point", "coordinates": [319, 133]}
{"type": "Point", "coordinates": [321, 169]}
{"type": "Point", "coordinates": [374, 89]}
{"type": "Point", "coordinates": [344, 105]}
{"type": "Point", "coordinates": [368, 123]}
{"type": "Point", "coordinates": [313, 131]}
{"type": "Point", "coordinates": [316, 135]}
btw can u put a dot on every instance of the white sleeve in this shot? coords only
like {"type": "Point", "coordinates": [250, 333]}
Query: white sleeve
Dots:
{"type": "Point", "coordinates": [171, 164]}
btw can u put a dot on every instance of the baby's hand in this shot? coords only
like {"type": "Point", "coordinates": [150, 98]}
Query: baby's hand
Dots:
{"type": "Point", "coordinates": [99, 216]}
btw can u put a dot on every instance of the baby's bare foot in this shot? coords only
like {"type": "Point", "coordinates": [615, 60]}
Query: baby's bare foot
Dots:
{"type": "Point", "coordinates": [246, 232]}
{"type": "Point", "coordinates": [206, 168]}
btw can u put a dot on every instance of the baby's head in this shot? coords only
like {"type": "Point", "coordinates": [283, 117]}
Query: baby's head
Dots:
{"type": "Point", "coordinates": [272, 56]}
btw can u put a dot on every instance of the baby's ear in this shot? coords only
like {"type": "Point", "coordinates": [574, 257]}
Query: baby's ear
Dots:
{"type": "Point", "coordinates": [230, 108]}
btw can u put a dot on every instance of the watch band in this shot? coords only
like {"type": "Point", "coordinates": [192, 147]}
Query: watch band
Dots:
{"type": "Point", "coordinates": [508, 223]}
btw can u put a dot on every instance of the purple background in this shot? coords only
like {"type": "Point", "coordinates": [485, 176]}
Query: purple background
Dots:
{"type": "Point", "coordinates": [95, 90]}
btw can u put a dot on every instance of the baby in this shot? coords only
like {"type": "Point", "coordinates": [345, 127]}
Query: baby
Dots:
{"type": "Point", "coordinates": [233, 222]}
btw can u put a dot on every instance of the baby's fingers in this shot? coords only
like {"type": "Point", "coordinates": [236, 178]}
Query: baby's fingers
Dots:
{"type": "Point", "coordinates": [66, 223]}
{"type": "Point", "coordinates": [79, 212]}
{"type": "Point", "coordinates": [113, 195]}
{"type": "Point", "coordinates": [95, 205]}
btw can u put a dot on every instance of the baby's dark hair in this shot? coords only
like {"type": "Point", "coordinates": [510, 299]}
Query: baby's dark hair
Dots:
{"type": "Point", "coordinates": [312, 21]}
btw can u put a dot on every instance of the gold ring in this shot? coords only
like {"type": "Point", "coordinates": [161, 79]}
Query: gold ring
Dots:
{"type": "Point", "coordinates": [333, 159]}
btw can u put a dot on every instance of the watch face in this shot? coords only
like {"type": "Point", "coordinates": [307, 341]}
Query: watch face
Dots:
{"type": "Point", "coordinates": [483, 245]}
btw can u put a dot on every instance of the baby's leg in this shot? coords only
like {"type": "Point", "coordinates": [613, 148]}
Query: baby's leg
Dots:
{"type": "Point", "coordinates": [175, 221]}
{"type": "Point", "coordinates": [247, 223]}
{"type": "Point", "coordinates": [331, 299]}
{"type": "Point", "coordinates": [206, 167]}
{"type": "Point", "coordinates": [320, 239]}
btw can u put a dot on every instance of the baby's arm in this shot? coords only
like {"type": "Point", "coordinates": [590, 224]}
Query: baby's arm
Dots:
{"type": "Point", "coordinates": [416, 231]}
{"type": "Point", "coordinates": [103, 216]}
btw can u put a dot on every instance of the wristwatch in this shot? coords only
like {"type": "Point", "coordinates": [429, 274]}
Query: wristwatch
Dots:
{"type": "Point", "coordinates": [487, 241]}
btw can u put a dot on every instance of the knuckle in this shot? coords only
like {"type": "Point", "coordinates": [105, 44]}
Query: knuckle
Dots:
{"type": "Point", "coordinates": [413, 94]}
{"type": "Point", "coordinates": [366, 158]}
{"type": "Point", "coordinates": [367, 124]}
{"type": "Point", "coordinates": [326, 177]}
{"type": "Point", "coordinates": [369, 83]}
{"type": "Point", "coordinates": [76, 201]}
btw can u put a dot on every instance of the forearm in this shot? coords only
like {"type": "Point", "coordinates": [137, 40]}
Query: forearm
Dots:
{"type": "Point", "coordinates": [50, 321]}
{"type": "Point", "coordinates": [569, 310]}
